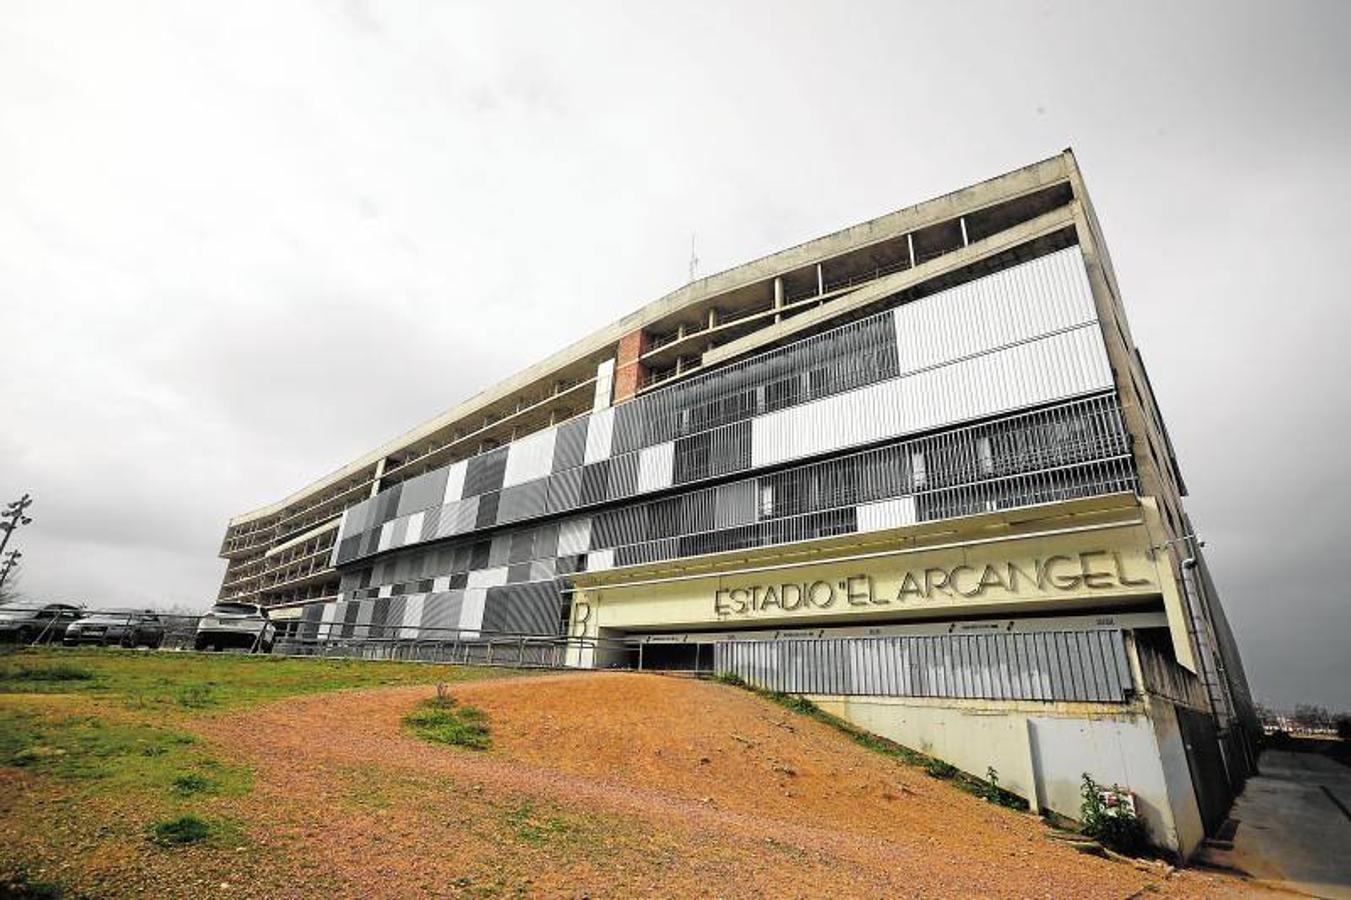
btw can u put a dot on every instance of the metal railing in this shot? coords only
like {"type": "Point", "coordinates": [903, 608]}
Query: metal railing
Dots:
{"type": "Point", "coordinates": [297, 637]}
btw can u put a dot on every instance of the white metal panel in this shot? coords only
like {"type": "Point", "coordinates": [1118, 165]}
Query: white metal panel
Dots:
{"type": "Point", "coordinates": [387, 535]}
{"type": "Point", "coordinates": [605, 382]}
{"type": "Point", "coordinates": [486, 578]}
{"type": "Point", "coordinates": [599, 435]}
{"type": "Point", "coordinates": [530, 458]}
{"type": "Point", "coordinates": [338, 539]}
{"type": "Point", "coordinates": [414, 532]}
{"type": "Point", "coordinates": [574, 536]}
{"type": "Point", "coordinates": [600, 560]}
{"type": "Point", "coordinates": [1049, 368]}
{"type": "Point", "coordinates": [412, 615]}
{"type": "Point", "coordinates": [455, 480]}
{"type": "Point", "coordinates": [386, 590]}
{"type": "Point", "coordinates": [440, 584]}
{"type": "Point", "coordinates": [891, 513]}
{"type": "Point", "coordinates": [1047, 294]}
{"type": "Point", "coordinates": [327, 618]}
{"type": "Point", "coordinates": [655, 466]}
{"type": "Point", "coordinates": [471, 613]}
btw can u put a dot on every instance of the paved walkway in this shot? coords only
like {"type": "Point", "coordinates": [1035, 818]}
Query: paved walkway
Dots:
{"type": "Point", "coordinates": [1292, 831]}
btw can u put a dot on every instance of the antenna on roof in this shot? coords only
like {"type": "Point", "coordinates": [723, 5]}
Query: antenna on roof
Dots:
{"type": "Point", "coordinates": [694, 260]}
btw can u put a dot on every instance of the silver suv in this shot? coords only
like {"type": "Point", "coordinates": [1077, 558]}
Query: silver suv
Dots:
{"type": "Point", "coordinates": [236, 625]}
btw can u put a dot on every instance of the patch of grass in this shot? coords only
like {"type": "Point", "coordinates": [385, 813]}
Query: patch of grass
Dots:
{"type": "Point", "coordinates": [447, 722]}
{"type": "Point", "coordinates": [195, 682]}
{"type": "Point", "coordinates": [180, 830]}
{"type": "Point", "coordinates": [14, 677]}
{"type": "Point", "coordinates": [937, 768]}
{"type": "Point", "coordinates": [192, 783]}
{"type": "Point", "coordinates": [536, 830]}
{"type": "Point", "coordinates": [110, 755]}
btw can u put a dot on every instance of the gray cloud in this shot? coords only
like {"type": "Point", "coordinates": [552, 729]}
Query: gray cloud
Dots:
{"type": "Point", "coordinates": [238, 249]}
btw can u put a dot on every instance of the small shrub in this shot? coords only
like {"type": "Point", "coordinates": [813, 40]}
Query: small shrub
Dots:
{"type": "Point", "coordinates": [179, 831]}
{"type": "Point", "coordinates": [450, 723]}
{"type": "Point", "coordinates": [1118, 827]}
{"type": "Point", "coordinates": [730, 678]}
{"type": "Point", "coordinates": [192, 783]}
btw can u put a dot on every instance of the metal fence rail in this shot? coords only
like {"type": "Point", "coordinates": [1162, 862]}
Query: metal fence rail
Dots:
{"type": "Point", "coordinates": [1087, 666]}
{"type": "Point", "coordinates": [172, 632]}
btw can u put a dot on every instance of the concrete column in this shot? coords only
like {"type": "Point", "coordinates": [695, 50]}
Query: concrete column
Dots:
{"type": "Point", "coordinates": [910, 245]}
{"type": "Point", "coordinates": [778, 298]}
{"type": "Point", "coordinates": [712, 317]}
{"type": "Point", "coordinates": [820, 280]}
{"type": "Point", "coordinates": [965, 241]}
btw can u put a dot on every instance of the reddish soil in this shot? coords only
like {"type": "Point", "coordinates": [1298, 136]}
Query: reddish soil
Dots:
{"type": "Point", "coordinates": [609, 784]}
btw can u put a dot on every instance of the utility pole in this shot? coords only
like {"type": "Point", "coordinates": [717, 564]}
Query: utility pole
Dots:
{"type": "Point", "coordinates": [11, 561]}
{"type": "Point", "coordinates": [10, 519]}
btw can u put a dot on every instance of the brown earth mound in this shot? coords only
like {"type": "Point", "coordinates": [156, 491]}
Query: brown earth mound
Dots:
{"type": "Point", "coordinates": [610, 784]}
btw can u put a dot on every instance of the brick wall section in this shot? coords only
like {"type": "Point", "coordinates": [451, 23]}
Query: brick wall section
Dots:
{"type": "Point", "coordinates": [629, 372]}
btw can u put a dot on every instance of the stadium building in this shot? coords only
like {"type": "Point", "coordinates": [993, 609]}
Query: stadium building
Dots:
{"type": "Point", "coordinates": [914, 470]}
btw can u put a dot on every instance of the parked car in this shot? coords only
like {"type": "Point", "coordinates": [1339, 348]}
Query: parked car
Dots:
{"type": "Point", "coordinates": [30, 621]}
{"type": "Point", "coordinates": [127, 627]}
{"type": "Point", "coordinates": [236, 625]}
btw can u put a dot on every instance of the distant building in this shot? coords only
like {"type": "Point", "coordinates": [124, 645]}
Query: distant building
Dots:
{"type": "Point", "coordinates": [914, 469]}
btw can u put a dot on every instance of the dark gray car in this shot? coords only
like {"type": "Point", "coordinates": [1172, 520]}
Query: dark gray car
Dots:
{"type": "Point", "coordinates": [32, 621]}
{"type": "Point", "coordinates": [125, 627]}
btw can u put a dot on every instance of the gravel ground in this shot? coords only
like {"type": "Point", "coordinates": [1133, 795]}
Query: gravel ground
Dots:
{"type": "Point", "coordinates": [615, 784]}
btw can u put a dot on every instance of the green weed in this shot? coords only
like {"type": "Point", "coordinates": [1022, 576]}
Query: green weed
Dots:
{"type": "Point", "coordinates": [446, 722]}
{"type": "Point", "coordinates": [180, 830]}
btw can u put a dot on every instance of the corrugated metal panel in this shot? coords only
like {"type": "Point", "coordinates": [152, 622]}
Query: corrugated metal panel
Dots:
{"type": "Point", "coordinates": [421, 492]}
{"type": "Point", "coordinates": [412, 615]}
{"type": "Point", "coordinates": [574, 536]}
{"type": "Point", "coordinates": [1050, 368]}
{"type": "Point", "coordinates": [485, 472]}
{"type": "Point", "coordinates": [734, 504]}
{"type": "Point", "coordinates": [599, 435]}
{"type": "Point", "coordinates": [654, 467]}
{"type": "Point", "coordinates": [471, 613]}
{"type": "Point", "coordinates": [455, 481]}
{"type": "Point", "coordinates": [414, 533]}
{"type": "Point", "coordinates": [440, 613]}
{"type": "Point", "coordinates": [600, 560]}
{"type": "Point", "coordinates": [530, 457]}
{"type": "Point", "coordinates": [522, 609]}
{"type": "Point", "coordinates": [499, 550]}
{"type": "Point", "coordinates": [565, 490]}
{"type": "Point", "coordinates": [522, 501]}
{"type": "Point", "coordinates": [1046, 295]}
{"type": "Point", "coordinates": [570, 444]}
{"type": "Point", "coordinates": [486, 578]}
{"type": "Point", "coordinates": [623, 476]}
{"type": "Point", "coordinates": [387, 535]}
{"type": "Point", "coordinates": [1085, 666]}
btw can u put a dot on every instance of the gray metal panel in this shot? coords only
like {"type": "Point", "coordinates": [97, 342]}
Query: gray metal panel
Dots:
{"type": "Point", "coordinates": [570, 445]}
{"type": "Point", "coordinates": [524, 501]}
{"type": "Point", "coordinates": [1065, 665]}
{"type": "Point", "coordinates": [734, 504]}
{"type": "Point", "coordinates": [422, 492]}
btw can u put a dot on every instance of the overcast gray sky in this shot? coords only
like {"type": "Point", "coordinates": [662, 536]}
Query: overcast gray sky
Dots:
{"type": "Point", "coordinates": [217, 220]}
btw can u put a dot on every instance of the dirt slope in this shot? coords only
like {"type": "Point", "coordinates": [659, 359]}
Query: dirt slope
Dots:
{"type": "Point", "coordinates": [609, 784]}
